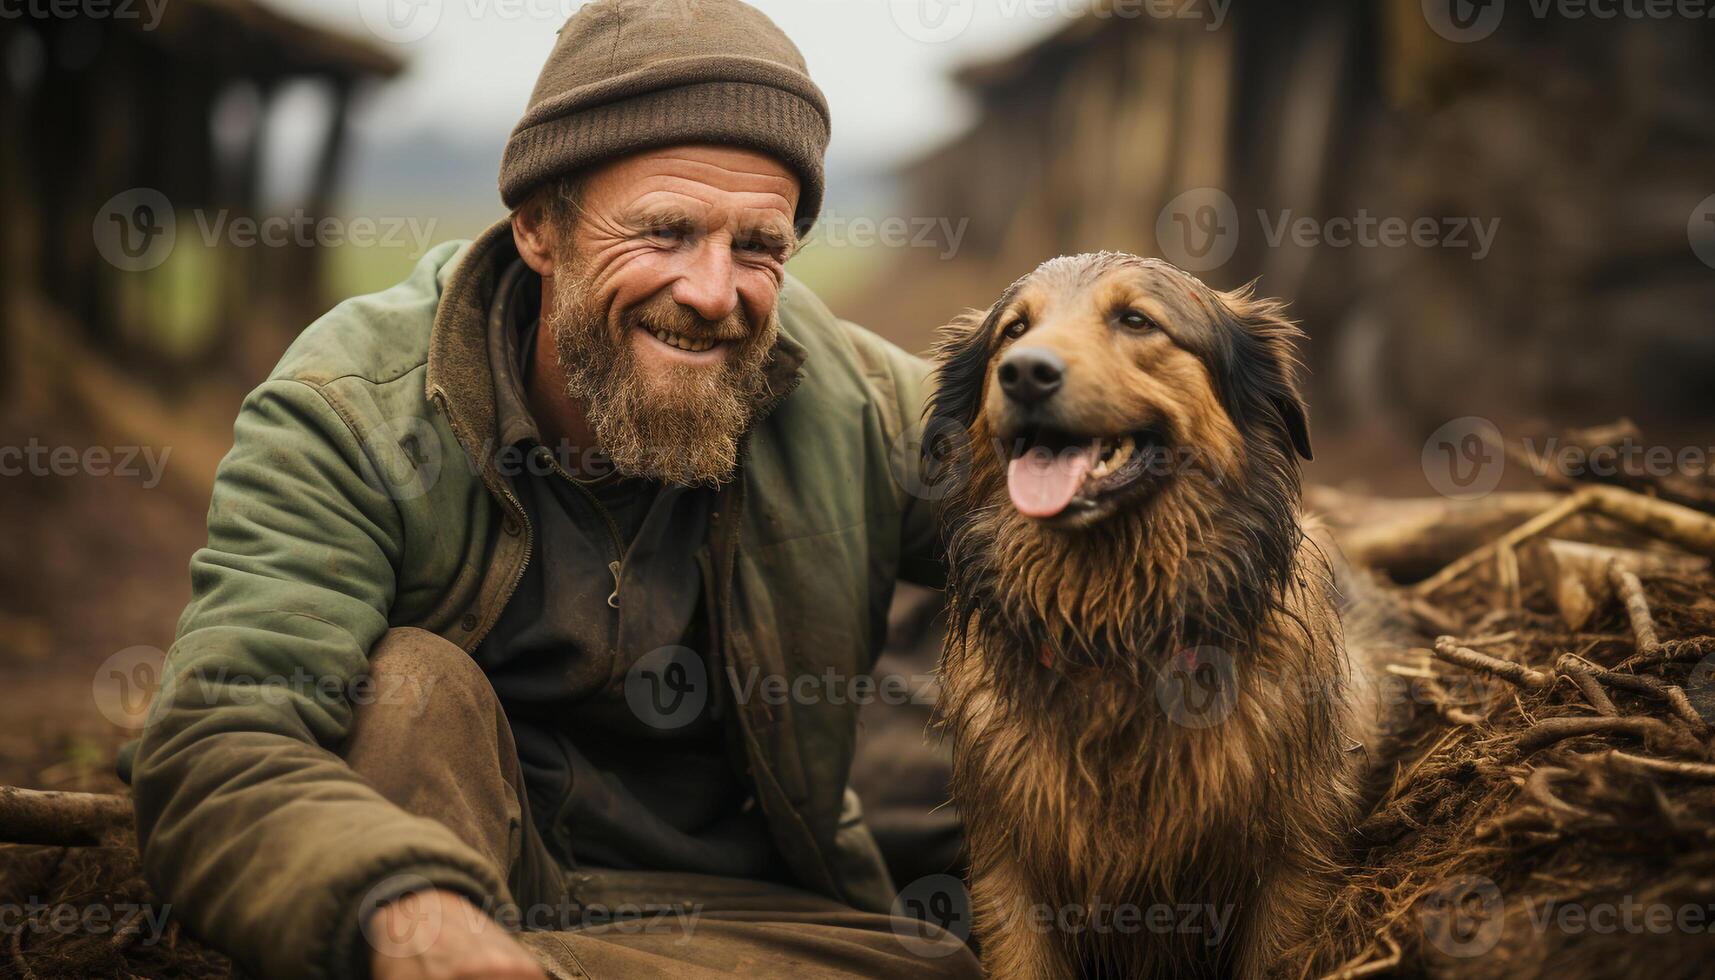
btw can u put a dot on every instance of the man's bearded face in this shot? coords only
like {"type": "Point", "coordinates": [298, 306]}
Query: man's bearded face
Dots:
{"type": "Point", "coordinates": [659, 412]}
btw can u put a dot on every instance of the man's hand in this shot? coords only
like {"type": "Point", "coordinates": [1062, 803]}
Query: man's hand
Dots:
{"type": "Point", "coordinates": [439, 935]}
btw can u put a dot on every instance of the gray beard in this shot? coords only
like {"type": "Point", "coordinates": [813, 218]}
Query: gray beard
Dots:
{"type": "Point", "coordinates": [681, 425]}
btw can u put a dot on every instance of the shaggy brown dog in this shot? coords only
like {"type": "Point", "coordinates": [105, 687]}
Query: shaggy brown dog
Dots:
{"type": "Point", "coordinates": [1155, 731]}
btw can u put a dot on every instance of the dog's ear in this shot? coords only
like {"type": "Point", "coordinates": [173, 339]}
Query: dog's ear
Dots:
{"type": "Point", "coordinates": [962, 351]}
{"type": "Point", "coordinates": [1262, 376]}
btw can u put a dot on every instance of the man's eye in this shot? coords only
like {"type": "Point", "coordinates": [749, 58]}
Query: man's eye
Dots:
{"type": "Point", "coordinates": [1016, 329]}
{"type": "Point", "coordinates": [666, 234]}
{"type": "Point", "coordinates": [754, 246]}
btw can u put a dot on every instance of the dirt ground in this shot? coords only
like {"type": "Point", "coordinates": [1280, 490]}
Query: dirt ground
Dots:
{"type": "Point", "coordinates": [94, 568]}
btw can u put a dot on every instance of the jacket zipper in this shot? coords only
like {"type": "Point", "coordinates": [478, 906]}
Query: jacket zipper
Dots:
{"type": "Point", "coordinates": [613, 535]}
{"type": "Point", "coordinates": [612, 532]}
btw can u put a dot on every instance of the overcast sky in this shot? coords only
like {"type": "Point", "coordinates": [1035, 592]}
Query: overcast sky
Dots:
{"type": "Point", "coordinates": [882, 63]}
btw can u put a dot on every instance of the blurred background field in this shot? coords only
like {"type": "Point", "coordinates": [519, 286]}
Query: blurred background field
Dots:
{"type": "Point", "coordinates": [973, 138]}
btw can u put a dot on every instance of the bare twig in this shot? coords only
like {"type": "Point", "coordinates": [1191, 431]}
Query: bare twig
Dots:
{"type": "Point", "coordinates": [1449, 650]}
{"type": "Point", "coordinates": [1495, 640]}
{"type": "Point", "coordinates": [1587, 685]}
{"type": "Point", "coordinates": [1682, 707]}
{"type": "Point", "coordinates": [1431, 619]}
{"type": "Point", "coordinates": [1670, 651]}
{"type": "Point", "coordinates": [29, 816]}
{"type": "Point", "coordinates": [24, 971]}
{"type": "Point", "coordinates": [1529, 529]}
{"type": "Point", "coordinates": [1654, 687]}
{"type": "Point", "coordinates": [1409, 539]}
{"type": "Point", "coordinates": [1643, 764]}
{"type": "Point", "coordinates": [1507, 577]}
{"type": "Point", "coordinates": [1689, 529]}
{"type": "Point", "coordinates": [1551, 730]}
{"type": "Point", "coordinates": [1631, 592]}
{"type": "Point", "coordinates": [1540, 787]}
{"type": "Point", "coordinates": [1577, 575]}
{"type": "Point", "coordinates": [1352, 970]}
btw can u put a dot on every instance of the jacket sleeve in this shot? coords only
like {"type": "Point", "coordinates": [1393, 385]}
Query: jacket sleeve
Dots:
{"type": "Point", "coordinates": [250, 825]}
{"type": "Point", "coordinates": [909, 380]}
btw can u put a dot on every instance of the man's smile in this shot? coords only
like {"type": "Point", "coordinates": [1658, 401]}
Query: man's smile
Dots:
{"type": "Point", "coordinates": [659, 342]}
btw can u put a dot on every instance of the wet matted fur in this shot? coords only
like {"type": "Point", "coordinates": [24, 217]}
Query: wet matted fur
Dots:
{"type": "Point", "coordinates": [1156, 729]}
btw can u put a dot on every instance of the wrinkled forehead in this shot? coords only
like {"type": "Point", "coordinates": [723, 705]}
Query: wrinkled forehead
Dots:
{"type": "Point", "coordinates": [1083, 286]}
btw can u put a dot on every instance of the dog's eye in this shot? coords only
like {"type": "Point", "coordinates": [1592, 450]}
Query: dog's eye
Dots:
{"type": "Point", "coordinates": [1016, 328]}
{"type": "Point", "coordinates": [1134, 320]}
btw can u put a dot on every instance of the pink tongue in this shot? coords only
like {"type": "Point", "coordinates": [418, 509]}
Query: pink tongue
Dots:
{"type": "Point", "coordinates": [1043, 482]}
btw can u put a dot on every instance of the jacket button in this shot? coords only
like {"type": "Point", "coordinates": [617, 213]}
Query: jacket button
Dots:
{"type": "Point", "coordinates": [469, 622]}
{"type": "Point", "coordinates": [511, 526]}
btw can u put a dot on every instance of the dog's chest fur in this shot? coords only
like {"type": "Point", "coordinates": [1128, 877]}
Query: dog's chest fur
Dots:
{"type": "Point", "coordinates": [1084, 788]}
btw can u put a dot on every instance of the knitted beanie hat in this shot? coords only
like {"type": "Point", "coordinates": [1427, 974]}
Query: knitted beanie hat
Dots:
{"type": "Point", "coordinates": [630, 75]}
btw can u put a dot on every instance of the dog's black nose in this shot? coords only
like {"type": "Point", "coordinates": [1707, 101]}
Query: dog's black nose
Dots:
{"type": "Point", "coordinates": [1030, 374]}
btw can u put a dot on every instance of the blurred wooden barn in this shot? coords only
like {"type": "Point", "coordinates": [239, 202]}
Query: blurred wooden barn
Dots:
{"type": "Point", "coordinates": [175, 113]}
{"type": "Point", "coordinates": [1592, 141]}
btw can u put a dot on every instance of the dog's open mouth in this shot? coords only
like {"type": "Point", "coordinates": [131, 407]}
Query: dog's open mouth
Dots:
{"type": "Point", "coordinates": [1052, 474]}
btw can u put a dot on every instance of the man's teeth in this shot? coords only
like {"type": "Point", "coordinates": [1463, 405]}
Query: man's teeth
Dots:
{"type": "Point", "coordinates": [680, 341]}
{"type": "Point", "coordinates": [1110, 456]}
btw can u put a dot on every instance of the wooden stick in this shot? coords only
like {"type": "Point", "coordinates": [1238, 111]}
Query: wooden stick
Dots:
{"type": "Point", "coordinates": [1692, 530]}
{"type": "Point", "coordinates": [1587, 684]}
{"type": "Point", "coordinates": [1577, 574]}
{"type": "Point", "coordinates": [52, 819]}
{"type": "Point", "coordinates": [1682, 707]}
{"type": "Point", "coordinates": [1507, 577]}
{"type": "Point", "coordinates": [1669, 651]}
{"type": "Point", "coordinates": [1352, 969]}
{"type": "Point", "coordinates": [1631, 592]}
{"type": "Point", "coordinates": [1549, 731]}
{"type": "Point", "coordinates": [1643, 764]}
{"type": "Point", "coordinates": [1529, 529]}
{"type": "Point", "coordinates": [1540, 787]}
{"type": "Point", "coordinates": [1449, 650]}
{"type": "Point", "coordinates": [1409, 538]}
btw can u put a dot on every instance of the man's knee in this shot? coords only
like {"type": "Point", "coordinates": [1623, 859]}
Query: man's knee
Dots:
{"type": "Point", "coordinates": [424, 698]}
{"type": "Point", "coordinates": [416, 675]}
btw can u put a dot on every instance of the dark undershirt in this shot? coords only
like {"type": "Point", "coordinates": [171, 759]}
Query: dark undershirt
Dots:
{"type": "Point", "coordinates": [610, 787]}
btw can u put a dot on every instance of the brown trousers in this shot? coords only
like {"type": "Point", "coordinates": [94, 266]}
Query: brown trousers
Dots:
{"type": "Point", "coordinates": [440, 746]}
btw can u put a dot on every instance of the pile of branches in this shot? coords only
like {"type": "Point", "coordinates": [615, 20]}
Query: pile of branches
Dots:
{"type": "Point", "coordinates": [1553, 813]}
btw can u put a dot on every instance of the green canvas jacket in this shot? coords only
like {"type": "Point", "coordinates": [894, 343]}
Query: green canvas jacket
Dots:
{"type": "Point", "coordinates": [361, 493]}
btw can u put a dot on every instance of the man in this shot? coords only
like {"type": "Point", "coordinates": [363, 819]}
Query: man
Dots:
{"type": "Point", "coordinates": [503, 558]}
